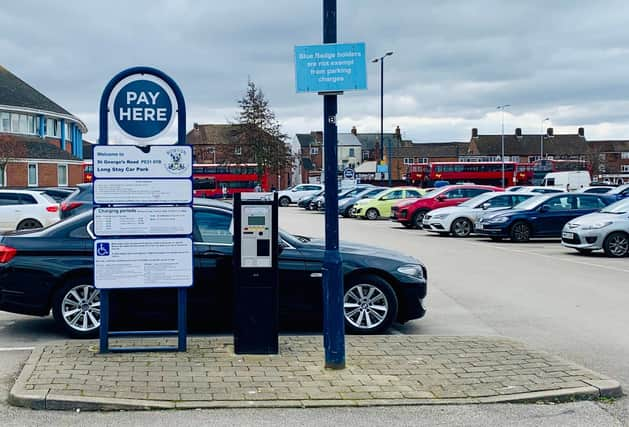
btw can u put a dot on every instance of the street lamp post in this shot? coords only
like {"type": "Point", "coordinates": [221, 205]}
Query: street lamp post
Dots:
{"type": "Point", "coordinates": [381, 60]}
{"type": "Point", "coordinates": [502, 143]}
{"type": "Point", "coordinates": [541, 138]}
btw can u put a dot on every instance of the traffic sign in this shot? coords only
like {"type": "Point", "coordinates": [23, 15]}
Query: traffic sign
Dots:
{"type": "Point", "coordinates": [142, 191]}
{"type": "Point", "coordinates": [129, 161]}
{"type": "Point", "coordinates": [330, 67]}
{"type": "Point", "coordinates": [348, 173]}
{"type": "Point", "coordinates": [143, 221]}
{"type": "Point", "coordinates": [142, 107]}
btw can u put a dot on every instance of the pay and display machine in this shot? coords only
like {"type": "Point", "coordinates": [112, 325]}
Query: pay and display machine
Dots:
{"type": "Point", "coordinates": [256, 279]}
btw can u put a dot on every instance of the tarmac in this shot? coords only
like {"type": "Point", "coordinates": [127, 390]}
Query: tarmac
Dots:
{"type": "Point", "coordinates": [380, 370]}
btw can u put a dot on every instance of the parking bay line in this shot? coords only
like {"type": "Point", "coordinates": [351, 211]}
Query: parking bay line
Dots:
{"type": "Point", "coordinates": [551, 256]}
{"type": "Point", "coordinates": [2, 349]}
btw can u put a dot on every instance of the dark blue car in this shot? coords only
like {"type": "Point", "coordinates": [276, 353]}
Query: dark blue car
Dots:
{"type": "Point", "coordinates": [541, 216]}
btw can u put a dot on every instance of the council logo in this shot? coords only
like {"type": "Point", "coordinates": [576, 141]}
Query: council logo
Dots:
{"type": "Point", "coordinates": [176, 164]}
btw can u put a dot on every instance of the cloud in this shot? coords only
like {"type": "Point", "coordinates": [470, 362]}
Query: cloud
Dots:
{"type": "Point", "coordinates": [453, 63]}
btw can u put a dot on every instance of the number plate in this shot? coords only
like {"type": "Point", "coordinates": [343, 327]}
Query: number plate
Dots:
{"type": "Point", "coordinates": [479, 226]}
{"type": "Point", "coordinates": [567, 235]}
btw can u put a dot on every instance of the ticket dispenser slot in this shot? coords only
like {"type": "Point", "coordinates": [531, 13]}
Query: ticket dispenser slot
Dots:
{"type": "Point", "coordinates": [255, 273]}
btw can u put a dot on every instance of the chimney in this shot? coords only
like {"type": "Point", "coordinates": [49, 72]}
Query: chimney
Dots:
{"type": "Point", "coordinates": [195, 126]}
{"type": "Point", "coordinates": [474, 132]}
{"type": "Point", "coordinates": [354, 131]}
{"type": "Point", "coordinates": [550, 132]}
{"type": "Point", "coordinates": [398, 132]}
{"type": "Point", "coordinates": [582, 132]}
{"type": "Point", "coordinates": [518, 133]}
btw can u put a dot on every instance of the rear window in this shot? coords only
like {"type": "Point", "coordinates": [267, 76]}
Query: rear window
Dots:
{"type": "Point", "coordinates": [82, 195]}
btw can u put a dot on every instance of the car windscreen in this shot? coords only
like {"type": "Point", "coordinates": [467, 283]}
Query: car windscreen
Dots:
{"type": "Point", "coordinates": [433, 193]}
{"type": "Point", "coordinates": [478, 200]}
{"type": "Point", "coordinates": [533, 202]}
{"type": "Point", "coordinates": [620, 207]}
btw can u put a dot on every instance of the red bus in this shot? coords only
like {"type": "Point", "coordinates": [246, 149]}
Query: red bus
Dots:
{"type": "Point", "coordinates": [88, 171]}
{"type": "Point", "coordinates": [487, 173]}
{"type": "Point", "coordinates": [542, 167]}
{"type": "Point", "coordinates": [416, 173]}
{"type": "Point", "coordinates": [223, 180]}
{"type": "Point", "coordinates": [524, 174]}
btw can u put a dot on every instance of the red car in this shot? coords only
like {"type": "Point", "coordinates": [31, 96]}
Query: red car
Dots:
{"type": "Point", "coordinates": [410, 212]}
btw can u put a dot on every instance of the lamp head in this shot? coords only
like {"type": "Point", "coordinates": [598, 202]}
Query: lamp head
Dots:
{"type": "Point", "coordinates": [375, 60]}
{"type": "Point", "coordinates": [389, 53]}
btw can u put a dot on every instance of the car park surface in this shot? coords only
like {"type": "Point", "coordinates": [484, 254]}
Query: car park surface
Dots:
{"type": "Point", "coordinates": [459, 220]}
{"type": "Point", "coordinates": [542, 216]}
{"type": "Point", "coordinates": [53, 269]}
{"type": "Point", "coordinates": [380, 206]}
{"type": "Point", "coordinates": [607, 230]}
{"type": "Point", "coordinates": [410, 213]}
{"type": "Point", "coordinates": [26, 209]}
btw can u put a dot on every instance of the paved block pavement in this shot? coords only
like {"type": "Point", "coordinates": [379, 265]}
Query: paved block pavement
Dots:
{"type": "Point", "coordinates": [381, 370]}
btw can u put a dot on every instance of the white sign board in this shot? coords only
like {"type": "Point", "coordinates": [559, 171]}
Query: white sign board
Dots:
{"type": "Point", "coordinates": [135, 221]}
{"type": "Point", "coordinates": [128, 161]}
{"type": "Point", "coordinates": [143, 263]}
{"type": "Point", "coordinates": [142, 191]}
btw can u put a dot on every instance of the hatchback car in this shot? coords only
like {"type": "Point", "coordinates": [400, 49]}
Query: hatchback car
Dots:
{"type": "Point", "coordinates": [380, 206]}
{"type": "Point", "coordinates": [459, 220]}
{"type": "Point", "coordinates": [25, 209]}
{"type": "Point", "coordinates": [292, 195]}
{"type": "Point", "coordinates": [607, 229]}
{"type": "Point", "coordinates": [410, 213]}
{"type": "Point", "coordinates": [80, 201]}
{"type": "Point", "coordinates": [541, 216]}
{"type": "Point", "coordinates": [53, 269]}
{"type": "Point", "coordinates": [346, 205]}
{"type": "Point", "coordinates": [345, 193]}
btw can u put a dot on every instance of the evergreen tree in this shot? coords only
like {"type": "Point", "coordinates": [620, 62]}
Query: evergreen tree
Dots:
{"type": "Point", "coordinates": [260, 134]}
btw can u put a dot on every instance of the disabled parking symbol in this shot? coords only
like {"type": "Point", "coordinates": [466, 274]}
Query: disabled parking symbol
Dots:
{"type": "Point", "coordinates": [102, 249]}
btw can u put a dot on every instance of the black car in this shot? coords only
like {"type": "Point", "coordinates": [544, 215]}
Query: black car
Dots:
{"type": "Point", "coordinates": [80, 200]}
{"type": "Point", "coordinates": [306, 201]}
{"type": "Point", "coordinates": [53, 269]}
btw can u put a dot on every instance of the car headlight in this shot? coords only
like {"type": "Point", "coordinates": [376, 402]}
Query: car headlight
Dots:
{"type": "Point", "coordinates": [596, 225]}
{"type": "Point", "coordinates": [498, 219]}
{"type": "Point", "coordinates": [438, 216]}
{"type": "Point", "coordinates": [412, 270]}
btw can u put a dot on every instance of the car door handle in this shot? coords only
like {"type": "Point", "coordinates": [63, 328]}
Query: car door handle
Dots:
{"type": "Point", "coordinates": [211, 252]}
{"type": "Point", "coordinates": [319, 274]}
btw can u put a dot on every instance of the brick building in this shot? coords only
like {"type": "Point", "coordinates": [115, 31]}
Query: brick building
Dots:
{"type": "Point", "coordinates": [610, 160]}
{"type": "Point", "coordinates": [40, 141]}
{"type": "Point", "coordinates": [222, 144]}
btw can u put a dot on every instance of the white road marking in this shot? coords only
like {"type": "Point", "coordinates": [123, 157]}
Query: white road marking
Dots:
{"type": "Point", "coordinates": [16, 349]}
{"type": "Point", "coordinates": [554, 257]}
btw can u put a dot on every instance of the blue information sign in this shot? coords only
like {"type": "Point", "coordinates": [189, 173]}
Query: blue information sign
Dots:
{"type": "Point", "coordinates": [142, 109]}
{"type": "Point", "coordinates": [330, 67]}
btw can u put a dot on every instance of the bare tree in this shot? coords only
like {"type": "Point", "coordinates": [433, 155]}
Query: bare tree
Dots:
{"type": "Point", "coordinates": [9, 150]}
{"type": "Point", "coordinates": [260, 134]}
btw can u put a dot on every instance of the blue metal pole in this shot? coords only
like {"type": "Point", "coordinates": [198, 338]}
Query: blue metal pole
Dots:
{"type": "Point", "coordinates": [62, 145]}
{"type": "Point", "coordinates": [333, 320]}
{"type": "Point", "coordinates": [104, 321]}
{"type": "Point", "coordinates": [182, 316]}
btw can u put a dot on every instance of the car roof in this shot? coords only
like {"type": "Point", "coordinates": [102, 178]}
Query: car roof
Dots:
{"type": "Point", "coordinates": [8, 190]}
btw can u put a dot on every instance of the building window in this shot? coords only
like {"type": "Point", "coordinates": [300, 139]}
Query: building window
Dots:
{"type": "Point", "coordinates": [421, 159]}
{"type": "Point", "coordinates": [352, 153]}
{"type": "Point", "coordinates": [365, 155]}
{"type": "Point", "coordinates": [5, 122]}
{"type": "Point", "coordinates": [53, 128]}
{"type": "Point", "coordinates": [2, 174]}
{"type": "Point", "coordinates": [68, 131]}
{"type": "Point", "coordinates": [314, 150]}
{"type": "Point", "coordinates": [624, 155]}
{"type": "Point", "coordinates": [624, 168]}
{"type": "Point", "coordinates": [32, 174]}
{"type": "Point", "coordinates": [62, 175]}
{"type": "Point", "coordinates": [238, 150]}
{"type": "Point", "coordinates": [408, 160]}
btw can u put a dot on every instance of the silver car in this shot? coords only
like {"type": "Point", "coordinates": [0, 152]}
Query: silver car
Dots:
{"type": "Point", "coordinates": [607, 229]}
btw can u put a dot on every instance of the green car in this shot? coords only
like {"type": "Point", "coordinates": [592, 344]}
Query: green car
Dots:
{"type": "Point", "coordinates": [380, 206]}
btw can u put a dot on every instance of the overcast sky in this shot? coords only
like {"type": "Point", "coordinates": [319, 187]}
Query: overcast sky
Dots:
{"type": "Point", "coordinates": [454, 61]}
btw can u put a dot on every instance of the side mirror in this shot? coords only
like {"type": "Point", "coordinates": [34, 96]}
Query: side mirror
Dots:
{"type": "Point", "coordinates": [280, 247]}
{"type": "Point", "coordinates": [486, 206]}
{"type": "Point", "coordinates": [544, 208]}
{"type": "Point", "coordinates": [440, 198]}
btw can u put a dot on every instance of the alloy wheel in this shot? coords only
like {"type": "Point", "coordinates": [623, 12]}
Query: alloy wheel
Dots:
{"type": "Point", "coordinates": [371, 214]}
{"type": "Point", "coordinates": [29, 224]}
{"type": "Point", "coordinates": [80, 308]}
{"type": "Point", "coordinates": [521, 232]}
{"type": "Point", "coordinates": [461, 227]}
{"type": "Point", "coordinates": [365, 306]}
{"type": "Point", "coordinates": [617, 244]}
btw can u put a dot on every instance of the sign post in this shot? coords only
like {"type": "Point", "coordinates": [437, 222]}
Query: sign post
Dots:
{"type": "Point", "coordinates": [142, 198]}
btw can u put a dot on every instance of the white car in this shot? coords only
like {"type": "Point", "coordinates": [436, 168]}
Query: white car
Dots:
{"type": "Point", "coordinates": [293, 195]}
{"type": "Point", "coordinates": [24, 209]}
{"type": "Point", "coordinates": [539, 189]}
{"type": "Point", "coordinates": [459, 220]}
{"type": "Point", "coordinates": [607, 229]}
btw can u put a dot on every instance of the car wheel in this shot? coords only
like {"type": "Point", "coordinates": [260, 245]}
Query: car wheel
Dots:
{"type": "Point", "coordinates": [520, 232]}
{"type": "Point", "coordinates": [347, 213]}
{"type": "Point", "coordinates": [461, 227]}
{"type": "Point", "coordinates": [418, 217]}
{"type": "Point", "coordinates": [369, 305]}
{"type": "Point", "coordinates": [372, 213]}
{"type": "Point", "coordinates": [76, 308]}
{"type": "Point", "coordinates": [28, 224]}
{"type": "Point", "coordinates": [616, 244]}
{"type": "Point", "coordinates": [284, 201]}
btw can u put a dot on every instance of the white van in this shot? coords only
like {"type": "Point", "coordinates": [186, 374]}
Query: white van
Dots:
{"type": "Point", "coordinates": [569, 180]}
